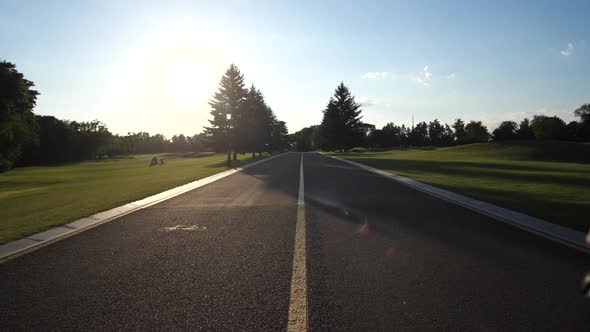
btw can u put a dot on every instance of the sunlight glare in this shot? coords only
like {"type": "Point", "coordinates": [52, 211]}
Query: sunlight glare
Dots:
{"type": "Point", "coordinates": [189, 80]}
{"type": "Point", "coordinates": [169, 69]}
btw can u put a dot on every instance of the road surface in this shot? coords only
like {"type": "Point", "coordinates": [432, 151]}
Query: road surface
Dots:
{"type": "Point", "coordinates": [377, 255]}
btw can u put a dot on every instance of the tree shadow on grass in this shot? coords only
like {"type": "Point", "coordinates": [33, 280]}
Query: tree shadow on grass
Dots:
{"type": "Point", "coordinates": [486, 170]}
{"type": "Point", "coordinates": [550, 151]}
{"type": "Point", "coordinates": [78, 162]}
{"type": "Point", "coordinates": [563, 212]}
{"type": "Point", "coordinates": [187, 154]}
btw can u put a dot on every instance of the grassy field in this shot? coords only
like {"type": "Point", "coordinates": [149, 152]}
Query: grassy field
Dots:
{"type": "Point", "coordinates": [33, 199]}
{"type": "Point", "coordinates": [549, 180]}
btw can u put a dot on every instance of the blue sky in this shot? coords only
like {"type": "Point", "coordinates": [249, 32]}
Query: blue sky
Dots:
{"type": "Point", "coordinates": [151, 66]}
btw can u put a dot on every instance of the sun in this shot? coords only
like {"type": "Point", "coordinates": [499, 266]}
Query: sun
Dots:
{"type": "Point", "coordinates": [189, 80]}
{"type": "Point", "coordinates": [165, 75]}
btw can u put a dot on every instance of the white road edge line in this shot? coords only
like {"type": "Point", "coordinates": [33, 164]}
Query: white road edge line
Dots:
{"type": "Point", "coordinates": [298, 299]}
{"type": "Point", "coordinates": [33, 242]}
{"type": "Point", "coordinates": [566, 236]}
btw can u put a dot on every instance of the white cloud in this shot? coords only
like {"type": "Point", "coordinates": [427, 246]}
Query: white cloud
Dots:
{"type": "Point", "coordinates": [451, 76]}
{"type": "Point", "coordinates": [367, 101]}
{"type": "Point", "coordinates": [375, 74]}
{"type": "Point", "coordinates": [569, 51]}
{"type": "Point", "coordinates": [424, 77]}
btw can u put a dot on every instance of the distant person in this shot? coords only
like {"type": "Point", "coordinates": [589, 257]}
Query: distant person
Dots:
{"type": "Point", "coordinates": [154, 161]}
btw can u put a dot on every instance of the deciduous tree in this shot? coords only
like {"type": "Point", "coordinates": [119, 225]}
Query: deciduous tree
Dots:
{"type": "Point", "coordinates": [476, 132]}
{"type": "Point", "coordinates": [545, 127]}
{"type": "Point", "coordinates": [524, 130]}
{"type": "Point", "coordinates": [460, 134]}
{"type": "Point", "coordinates": [507, 130]}
{"type": "Point", "coordinates": [17, 121]}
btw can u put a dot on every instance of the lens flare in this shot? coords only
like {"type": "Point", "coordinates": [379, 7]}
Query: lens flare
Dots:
{"type": "Point", "coordinates": [364, 230]}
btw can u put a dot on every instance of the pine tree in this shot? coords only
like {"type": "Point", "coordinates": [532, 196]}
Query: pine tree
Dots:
{"type": "Point", "coordinates": [278, 135]}
{"type": "Point", "coordinates": [227, 111]}
{"type": "Point", "coordinates": [248, 132]}
{"type": "Point", "coordinates": [341, 125]}
{"type": "Point", "coordinates": [258, 120]}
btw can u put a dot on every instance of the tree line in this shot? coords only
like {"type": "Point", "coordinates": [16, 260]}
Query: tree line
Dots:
{"type": "Point", "coordinates": [55, 141]}
{"type": "Point", "coordinates": [342, 129]}
{"type": "Point", "coordinates": [242, 122]}
{"type": "Point", "coordinates": [59, 141]}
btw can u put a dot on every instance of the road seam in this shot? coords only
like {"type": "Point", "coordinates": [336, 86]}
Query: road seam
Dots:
{"type": "Point", "coordinates": [298, 298]}
{"type": "Point", "coordinates": [569, 237]}
{"type": "Point", "coordinates": [22, 246]}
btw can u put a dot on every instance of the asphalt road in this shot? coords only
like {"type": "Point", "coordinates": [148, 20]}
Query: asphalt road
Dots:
{"type": "Point", "coordinates": [380, 256]}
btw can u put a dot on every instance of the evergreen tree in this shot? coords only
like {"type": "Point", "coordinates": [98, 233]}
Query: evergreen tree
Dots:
{"type": "Point", "coordinates": [341, 125]}
{"type": "Point", "coordinates": [278, 136]}
{"type": "Point", "coordinates": [248, 126]}
{"type": "Point", "coordinates": [227, 111]}
{"type": "Point", "coordinates": [257, 122]}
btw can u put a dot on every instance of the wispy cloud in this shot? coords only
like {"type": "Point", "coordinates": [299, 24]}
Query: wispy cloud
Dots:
{"type": "Point", "coordinates": [492, 121]}
{"type": "Point", "coordinates": [451, 76]}
{"type": "Point", "coordinates": [424, 77]}
{"type": "Point", "coordinates": [569, 51]}
{"type": "Point", "coordinates": [367, 101]}
{"type": "Point", "coordinates": [375, 74]}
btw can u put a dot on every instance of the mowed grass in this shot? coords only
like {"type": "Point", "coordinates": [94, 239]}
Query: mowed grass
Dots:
{"type": "Point", "coordinates": [33, 199]}
{"type": "Point", "coordinates": [548, 180]}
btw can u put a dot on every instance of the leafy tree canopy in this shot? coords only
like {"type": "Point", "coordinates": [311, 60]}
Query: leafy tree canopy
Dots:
{"type": "Point", "coordinates": [507, 130]}
{"type": "Point", "coordinates": [17, 121]}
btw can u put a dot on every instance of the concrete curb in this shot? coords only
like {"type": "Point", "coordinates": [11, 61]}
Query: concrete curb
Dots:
{"type": "Point", "coordinates": [33, 242]}
{"type": "Point", "coordinates": [569, 237]}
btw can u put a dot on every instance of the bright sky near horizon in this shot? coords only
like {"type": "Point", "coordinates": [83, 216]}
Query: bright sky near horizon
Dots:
{"type": "Point", "coordinates": [152, 65]}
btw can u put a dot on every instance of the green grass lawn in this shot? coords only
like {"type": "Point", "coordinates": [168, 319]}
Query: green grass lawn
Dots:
{"type": "Point", "coordinates": [548, 180]}
{"type": "Point", "coordinates": [33, 199]}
